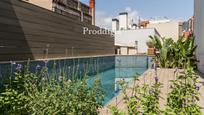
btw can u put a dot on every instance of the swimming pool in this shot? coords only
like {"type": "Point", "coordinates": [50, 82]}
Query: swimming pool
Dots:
{"type": "Point", "coordinates": [126, 68]}
{"type": "Point", "coordinates": [110, 77]}
{"type": "Point", "coordinates": [109, 69]}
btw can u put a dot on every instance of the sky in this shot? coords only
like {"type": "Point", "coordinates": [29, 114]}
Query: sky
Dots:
{"type": "Point", "coordinates": [145, 9]}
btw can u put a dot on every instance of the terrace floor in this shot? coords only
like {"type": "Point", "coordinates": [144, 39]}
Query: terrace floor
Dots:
{"type": "Point", "coordinates": [165, 75]}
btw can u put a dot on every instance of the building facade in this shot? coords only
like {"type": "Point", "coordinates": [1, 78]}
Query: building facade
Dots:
{"type": "Point", "coordinates": [167, 28]}
{"type": "Point", "coordinates": [47, 4]}
{"type": "Point", "coordinates": [189, 25]}
{"type": "Point", "coordinates": [131, 39]}
{"type": "Point", "coordinates": [188, 28]}
{"type": "Point", "coordinates": [75, 8]}
{"type": "Point", "coordinates": [133, 42]}
{"type": "Point", "coordinates": [199, 32]}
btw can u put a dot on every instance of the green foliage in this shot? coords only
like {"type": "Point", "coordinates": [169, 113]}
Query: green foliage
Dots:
{"type": "Point", "coordinates": [13, 98]}
{"type": "Point", "coordinates": [156, 41]}
{"type": "Point", "coordinates": [115, 111]}
{"type": "Point", "coordinates": [134, 102]}
{"type": "Point", "coordinates": [184, 95]}
{"type": "Point", "coordinates": [175, 54]}
{"type": "Point", "coordinates": [143, 100]}
{"type": "Point", "coordinates": [64, 98]}
{"type": "Point", "coordinates": [41, 94]}
{"type": "Point", "coordinates": [150, 99]}
{"type": "Point", "coordinates": [12, 102]}
{"type": "Point", "coordinates": [150, 44]}
{"type": "Point", "coordinates": [182, 100]}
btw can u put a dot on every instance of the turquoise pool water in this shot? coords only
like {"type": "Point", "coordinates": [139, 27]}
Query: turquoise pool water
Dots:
{"type": "Point", "coordinates": [110, 77]}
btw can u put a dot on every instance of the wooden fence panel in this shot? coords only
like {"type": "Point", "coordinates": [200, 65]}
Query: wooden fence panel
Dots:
{"type": "Point", "coordinates": [30, 32]}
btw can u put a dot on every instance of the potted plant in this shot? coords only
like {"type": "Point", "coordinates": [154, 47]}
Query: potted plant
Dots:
{"type": "Point", "coordinates": [151, 49]}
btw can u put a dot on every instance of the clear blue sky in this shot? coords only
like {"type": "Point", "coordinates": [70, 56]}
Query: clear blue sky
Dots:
{"type": "Point", "coordinates": [173, 9]}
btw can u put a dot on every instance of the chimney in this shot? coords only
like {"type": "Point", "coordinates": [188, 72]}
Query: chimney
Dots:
{"type": "Point", "coordinates": [134, 26]}
{"type": "Point", "coordinates": [92, 8]}
{"type": "Point", "coordinates": [79, 5]}
{"type": "Point", "coordinates": [123, 20]}
{"type": "Point", "coordinates": [115, 24]}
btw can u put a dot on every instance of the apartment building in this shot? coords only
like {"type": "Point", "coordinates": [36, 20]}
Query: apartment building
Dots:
{"type": "Point", "coordinates": [75, 8]}
{"type": "Point", "coordinates": [199, 32]}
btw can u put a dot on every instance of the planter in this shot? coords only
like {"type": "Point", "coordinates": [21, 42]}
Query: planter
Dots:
{"type": "Point", "coordinates": [151, 51]}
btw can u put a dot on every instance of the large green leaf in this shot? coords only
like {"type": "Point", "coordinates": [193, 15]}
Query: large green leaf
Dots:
{"type": "Point", "coordinates": [156, 41]}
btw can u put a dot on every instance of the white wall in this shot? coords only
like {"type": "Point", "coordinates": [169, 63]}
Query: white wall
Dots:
{"type": "Point", "coordinates": [128, 38]}
{"type": "Point", "coordinates": [168, 29]}
{"type": "Point", "coordinates": [199, 32]}
{"type": "Point", "coordinates": [132, 51]}
{"type": "Point", "coordinates": [124, 50]}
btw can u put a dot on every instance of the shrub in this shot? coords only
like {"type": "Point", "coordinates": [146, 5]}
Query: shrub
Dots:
{"type": "Point", "coordinates": [182, 100]}
{"type": "Point", "coordinates": [150, 99]}
{"type": "Point", "coordinates": [39, 93]}
{"type": "Point", "coordinates": [143, 100]}
{"type": "Point", "coordinates": [184, 95]}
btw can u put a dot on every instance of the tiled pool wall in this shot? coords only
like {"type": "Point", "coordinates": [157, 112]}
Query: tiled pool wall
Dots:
{"type": "Point", "coordinates": [79, 66]}
{"type": "Point", "coordinates": [131, 65]}
{"type": "Point", "coordinates": [69, 67]}
{"type": "Point", "coordinates": [132, 61]}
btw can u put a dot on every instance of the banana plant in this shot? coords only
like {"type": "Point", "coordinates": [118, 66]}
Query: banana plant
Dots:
{"type": "Point", "coordinates": [164, 46]}
{"type": "Point", "coordinates": [156, 41]}
{"type": "Point", "coordinates": [184, 49]}
{"type": "Point", "coordinates": [174, 54]}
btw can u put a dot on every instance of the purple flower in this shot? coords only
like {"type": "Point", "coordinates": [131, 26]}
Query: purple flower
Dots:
{"type": "Point", "coordinates": [38, 67]}
{"type": "Point", "coordinates": [198, 88]}
{"type": "Point", "coordinates": [19, 67]}
{"type": "Point", "coordinates": [156, 79]}
{"type": "Point", "coordinates": [60, 78]}
{"type": "Point", "coordinates": [151, 91]}
{"type": "Point", "coordinates": [176, 70]}
{"type": "Point", "coordinates": [155, 66]}
{"type": "Point", "coordinates": [46, 61]}
{"type": "Point", "coordinates": [194, 100]}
